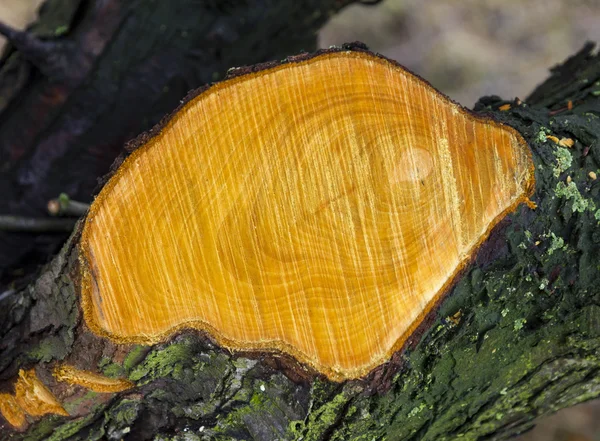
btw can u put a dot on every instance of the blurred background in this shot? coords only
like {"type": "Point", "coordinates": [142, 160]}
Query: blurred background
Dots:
{"type": "Point", "coordinates": [471, 48]}
{"type": "Point", "coordinates": [467, 49]}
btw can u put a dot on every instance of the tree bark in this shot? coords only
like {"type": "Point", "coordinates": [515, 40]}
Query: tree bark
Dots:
{"type": "Point", "coordinates": [515, 338]}
{"type": "Point", "coordinates": [90, 75]}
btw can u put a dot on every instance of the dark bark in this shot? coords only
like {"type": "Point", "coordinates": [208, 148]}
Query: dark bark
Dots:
{"type": "Point", "coordinates": [517, 337]}
{"type": "Point", "coordinates": [91, 75]}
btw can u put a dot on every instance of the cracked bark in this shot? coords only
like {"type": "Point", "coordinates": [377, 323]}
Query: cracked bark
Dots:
{"type": "Point", "coordinates": [516, 338]}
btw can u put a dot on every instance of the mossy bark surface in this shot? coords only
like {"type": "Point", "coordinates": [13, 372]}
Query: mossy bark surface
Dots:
{"type": "Point", "coordinates": [517, 337]}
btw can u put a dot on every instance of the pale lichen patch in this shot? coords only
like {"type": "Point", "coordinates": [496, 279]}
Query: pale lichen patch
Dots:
{"type": "Point", "coordinates": [564, 160]}
{"type": "Point", "coordinates": [557, 243]}
{"type": "Point", "coordinates": [571, 192]}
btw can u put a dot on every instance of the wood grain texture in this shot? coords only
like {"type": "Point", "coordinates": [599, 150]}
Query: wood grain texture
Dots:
{"type": "Point", "coordinates": [90, 380]}
{"type": "Point", "coordinates": [31, 397]}
{"type": "Point", "coordinates": [318, 208]}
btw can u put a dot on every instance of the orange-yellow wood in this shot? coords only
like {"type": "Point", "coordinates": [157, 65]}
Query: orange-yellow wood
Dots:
{"type": "Point", "coordinates": [318, 208]}
{"type": "Point", "coordinates": [31, 397]}
{"type": "Point", "coordinates": [34, 397]}
{"type": "Point", "coordinates": [12, 412]}
{"type": "Point", "coordinates": [91, 380]}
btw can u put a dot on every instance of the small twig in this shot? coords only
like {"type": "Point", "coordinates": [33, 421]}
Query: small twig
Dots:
{"type": "Point", "coordinates": [64, 206]}
{"type": "Point", "coordinates": [557, 111]}
{"type": "Point", "coordinates": [6, 294]}
{"type": "Point", "coordinates": [36, 225]}
{"type": "Point", "coordinates": [586, 150]}
{"type": "Point", "coordinates": [47, 55]}
{"type": "Point", "coordinates": [569, 106]}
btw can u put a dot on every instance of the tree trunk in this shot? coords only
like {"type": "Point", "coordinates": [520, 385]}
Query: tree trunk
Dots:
{"type": "Point", "coordinates": [515, 338]}
{"type": "Point", "coordinates": [91, 75]}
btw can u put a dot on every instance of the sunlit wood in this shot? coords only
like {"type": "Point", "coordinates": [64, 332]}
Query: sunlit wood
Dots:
{"type": "Point", "coordinates": [34, 397]}
{"type": "Point", "coordinates": [317, 208]}
{"type": "Point", "coordinates": [90, 380]}
{"type": "Point", "coordinates": [31, 397]}
{"type": "Point", "coordinates": [12, 412]}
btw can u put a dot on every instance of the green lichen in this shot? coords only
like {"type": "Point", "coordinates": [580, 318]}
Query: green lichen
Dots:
{"type": "Point", "coordinates": [564, 160]}
{"type": "Point", "coordinates": [558, 243]}
{"type": "Point", "coordinates": [571, 192]}
{"type": "Point", "coordinates": [519, 323]}
{"type": "Point", "coordinates": [109, 368]}
{"type": "Point", "coordinates": [417, 410]}
{"type": "Point", "coordinates": [71, 428]}
{"type": "Point", "coordinates": [541, 136]}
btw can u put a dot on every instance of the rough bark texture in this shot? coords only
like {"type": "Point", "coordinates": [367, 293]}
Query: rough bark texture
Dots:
{"type": "Point", "coordinates": [93, 74]}
{"type": "Point", "coordinates": [517, 337]}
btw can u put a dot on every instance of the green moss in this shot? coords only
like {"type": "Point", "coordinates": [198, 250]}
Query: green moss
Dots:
{"type": "Point", "coordinates": [331, 411]}
{"type": "Point", "coordinates": [417, 410]}
{"type": "Point", "coordinates": [110, 368]}
{"type": "Point", "coordinates": [42, 429]}
{"type": "Point", "coordinates": [51, 429]}
{"type": "Point", "coordinates": [163, 362]}
{"type": "Point", "coordinates": [319, 420]}
{"type": "Point", "coordinates": [134, 357]}
{"type": "Point", "coordinates": [125, 413]}
{"type": "Point", "coordinates": [257, 400]}
{"type": "Point", "coordinates": [73, 427]}
{"type": "Point", "coordinates": [113, 370]}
